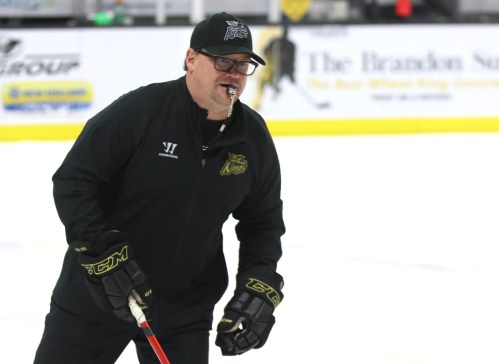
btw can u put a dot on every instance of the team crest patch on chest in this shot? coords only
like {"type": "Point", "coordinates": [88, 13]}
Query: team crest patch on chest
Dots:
{"type": "Point", "coordinates": [236, 164]}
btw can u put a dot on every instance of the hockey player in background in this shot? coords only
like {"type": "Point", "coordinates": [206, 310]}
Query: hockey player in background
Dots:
{"type": "Point", "coordinates": [143, 195]}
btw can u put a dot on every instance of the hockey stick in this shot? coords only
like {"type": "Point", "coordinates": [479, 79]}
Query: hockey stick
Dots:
{"type": "Point", "coordinates": [310, 100]}
{"type": "Point", "coordinates": [142, 322]}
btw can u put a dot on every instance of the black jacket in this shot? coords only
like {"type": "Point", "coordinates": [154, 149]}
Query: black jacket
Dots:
{"type": "Point", "coordinates": [138, 167]}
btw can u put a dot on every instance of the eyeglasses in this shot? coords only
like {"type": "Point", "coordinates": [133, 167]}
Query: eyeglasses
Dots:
{"type": "Point", "coordinates": [224, 64]}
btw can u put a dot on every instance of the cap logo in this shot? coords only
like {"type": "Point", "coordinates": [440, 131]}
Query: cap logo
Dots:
{"type": "Point", "coordinates": [235, 30]}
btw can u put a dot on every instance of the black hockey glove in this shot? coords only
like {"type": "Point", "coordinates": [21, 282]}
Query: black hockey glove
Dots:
{"type": "Point", "coordinates": [113, 274]}
{"type": "Point", "coordinates": [248, 317]}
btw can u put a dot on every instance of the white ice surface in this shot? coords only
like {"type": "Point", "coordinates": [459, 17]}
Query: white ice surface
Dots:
{"type": "Point", "coordinates": [391, 254]}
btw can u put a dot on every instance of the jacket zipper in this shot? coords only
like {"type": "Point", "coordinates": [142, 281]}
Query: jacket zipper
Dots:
{"type": "Point", "coordinates": [217, 137]}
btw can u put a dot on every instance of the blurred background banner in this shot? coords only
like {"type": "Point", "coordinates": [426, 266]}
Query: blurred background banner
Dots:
{"type": "Point", "coordinates": [326, 79]}
{"type": "Point", "coordinates": [49, 76]}
{"type": "Point", "coordinates": [380, 71]}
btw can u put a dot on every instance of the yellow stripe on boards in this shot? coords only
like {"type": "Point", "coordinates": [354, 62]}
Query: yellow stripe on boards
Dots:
{"type": "Point", "coordinates": [317, 127]}
{"type": "Point", "coordinates": [381, 126]}
{"type": "Point", "coordinates": [51, 132]}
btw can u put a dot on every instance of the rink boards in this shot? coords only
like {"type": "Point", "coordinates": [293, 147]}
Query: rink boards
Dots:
{"type": "Point", "coordinates": [327, 80]}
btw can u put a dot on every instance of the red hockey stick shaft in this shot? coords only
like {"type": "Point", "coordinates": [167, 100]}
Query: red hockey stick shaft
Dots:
{"type": "Point", "coordinates": [154, 343]}
{"type": "Point", "coordinates": [142, 322]}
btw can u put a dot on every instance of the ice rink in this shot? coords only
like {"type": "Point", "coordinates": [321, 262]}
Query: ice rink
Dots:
{"type": "Point", "coordinates": [391, 254]}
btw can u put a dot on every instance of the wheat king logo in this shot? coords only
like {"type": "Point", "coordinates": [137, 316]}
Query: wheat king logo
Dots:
{"type": "Point", "coordinates": [235, 30]}
{"type": "Point", "coordinates": [236, 164]}
{"type": "Point", "coordinates": [169, 150]}
{"type": "Point", "coordinates": [15, 62]}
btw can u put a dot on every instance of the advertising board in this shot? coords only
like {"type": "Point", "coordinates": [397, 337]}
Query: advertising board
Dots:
{"type": "Point", "coordinates": [318, 80]}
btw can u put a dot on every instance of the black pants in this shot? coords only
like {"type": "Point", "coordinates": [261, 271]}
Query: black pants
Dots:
{"type": "Point", "coordinates": [73, 339]}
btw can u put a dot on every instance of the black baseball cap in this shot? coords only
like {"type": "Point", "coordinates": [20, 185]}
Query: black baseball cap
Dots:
{"type": "Point", "coordinates": [223, 34]}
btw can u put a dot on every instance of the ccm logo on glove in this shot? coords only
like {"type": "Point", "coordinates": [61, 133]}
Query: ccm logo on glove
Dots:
{"type": "Point", "coordinates": [108, 263]}
{"type": "Point", "coordinates": [261, 287]}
